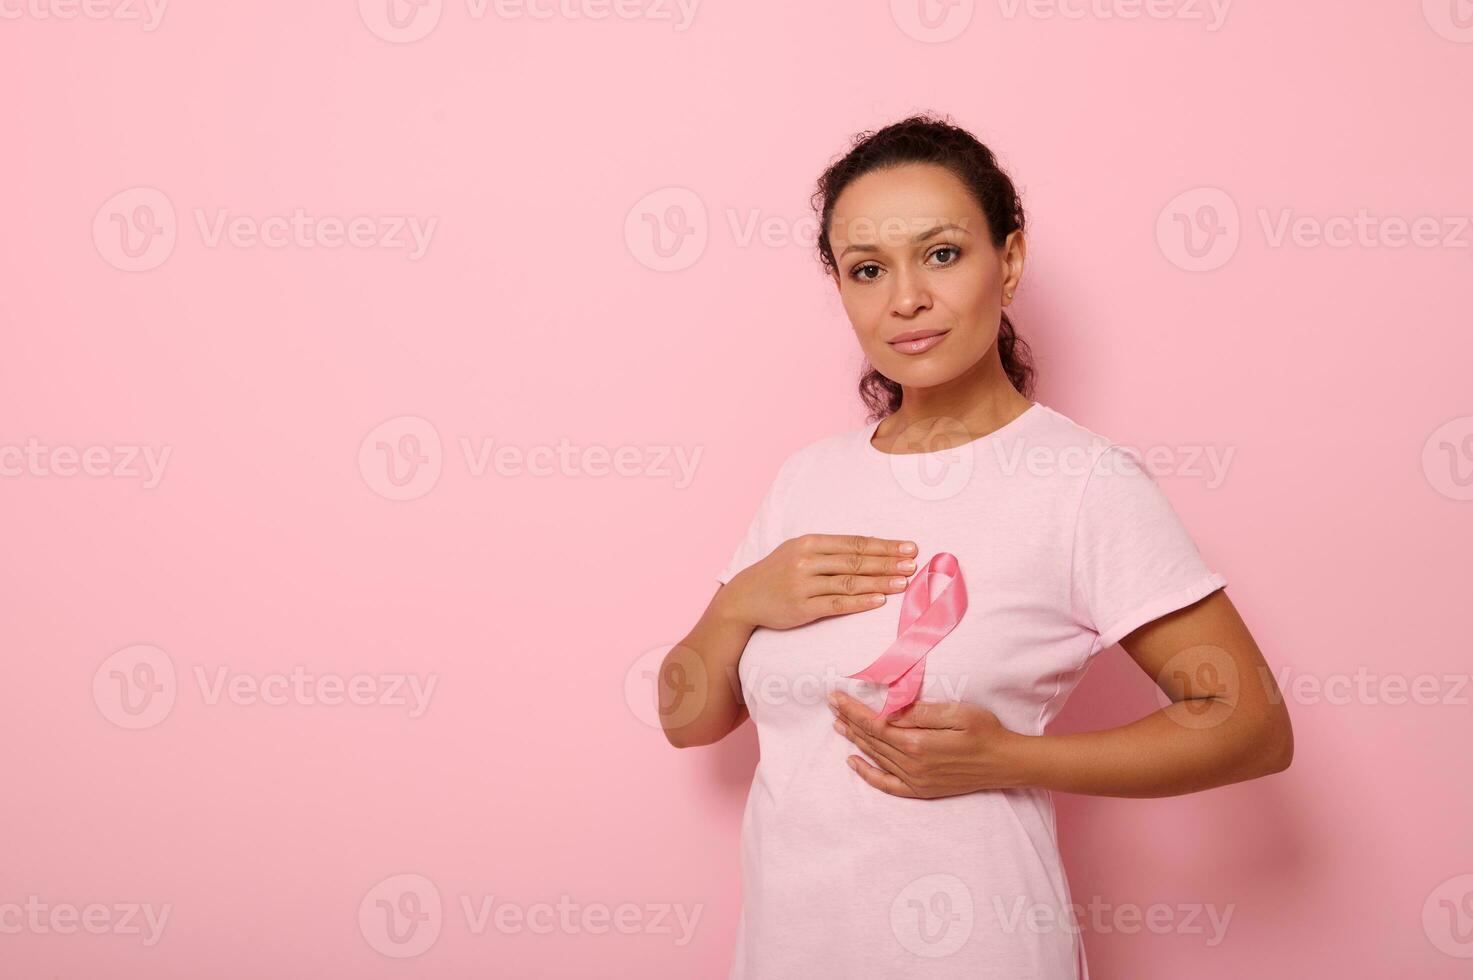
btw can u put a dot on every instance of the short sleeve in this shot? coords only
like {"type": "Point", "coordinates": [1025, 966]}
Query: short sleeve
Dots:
{"type": "Point", "coordinates": [1133, 560]}
{"type": "Point", "coordinates": [764, 531]}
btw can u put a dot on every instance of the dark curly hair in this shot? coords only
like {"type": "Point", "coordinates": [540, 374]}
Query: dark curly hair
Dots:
{"type": "Point", "coordinates": [929, 139]}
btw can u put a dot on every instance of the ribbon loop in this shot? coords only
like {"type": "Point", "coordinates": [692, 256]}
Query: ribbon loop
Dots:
{"type": "Point", "coordinates": [933, 603]}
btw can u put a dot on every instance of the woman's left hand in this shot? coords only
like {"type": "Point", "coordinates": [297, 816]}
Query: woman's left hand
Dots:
{"type": "Point", "coordinates": [930, 749]}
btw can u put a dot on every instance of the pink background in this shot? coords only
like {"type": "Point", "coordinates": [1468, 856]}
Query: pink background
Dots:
{"type": "Point", "coordinates": [543, 310]}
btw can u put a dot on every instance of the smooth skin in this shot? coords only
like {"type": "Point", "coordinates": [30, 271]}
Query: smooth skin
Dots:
{"type": "Point", "coordinates": [913, 253]}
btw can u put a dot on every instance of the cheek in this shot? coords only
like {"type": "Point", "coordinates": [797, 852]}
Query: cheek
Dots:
{"type": "Point", "coordinates": [974, 310]}
{"type": "Point", "coordinates": [969, 297]}
{"type": "Point", "coordinates": [864, 308]}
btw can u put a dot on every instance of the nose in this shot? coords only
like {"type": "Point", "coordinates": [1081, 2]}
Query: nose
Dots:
{"type": "Point", "coordinates": [911, 295]}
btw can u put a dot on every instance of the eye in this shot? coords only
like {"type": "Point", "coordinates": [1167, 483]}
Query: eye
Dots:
{"type": "Point", "coordinates": [870, 271]}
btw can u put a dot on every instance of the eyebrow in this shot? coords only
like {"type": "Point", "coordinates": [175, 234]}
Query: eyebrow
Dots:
{"type": "Point", "coordinates": [916, 240]}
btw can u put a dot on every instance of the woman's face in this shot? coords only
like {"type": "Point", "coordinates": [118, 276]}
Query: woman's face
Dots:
{"type": "Point", "coordinates": [915, 258]}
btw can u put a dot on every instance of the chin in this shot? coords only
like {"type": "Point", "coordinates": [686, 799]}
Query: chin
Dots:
{"type": "Point", "coordinates": [920, 375]}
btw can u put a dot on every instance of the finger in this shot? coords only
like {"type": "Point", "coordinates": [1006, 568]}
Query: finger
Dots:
{"type": "Point", "coordinates": [930, 714]}
{"type": "Point", "coordinates": [869, 565]}
{"type": "Point", "coordinates": [840, 605]}
{"type": "Point", "coordinates": [859, 544]}
{"type": "Point", "coordinates": [857, 584]}
{"type": "Point", "coordinates": [855, 712]}
{"type": "Point", "coordinates": [864, 720]}
{"type": "Point", "coordinates": [880, 779]}
{"type": "Point", "coordinates": [886, 756]}
{"type": "Point", "coordinates": [854, 563]}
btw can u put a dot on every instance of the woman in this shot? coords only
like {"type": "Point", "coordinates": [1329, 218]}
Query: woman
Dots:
{"type": "Point", "coordinates": [919, 840]}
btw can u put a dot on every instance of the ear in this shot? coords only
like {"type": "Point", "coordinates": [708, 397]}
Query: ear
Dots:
{"type": "Point", "coordinates": [1014, 253]}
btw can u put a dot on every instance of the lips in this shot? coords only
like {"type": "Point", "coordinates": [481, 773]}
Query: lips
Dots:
{"type": "Point", "coordinates": [914, 335]}
{"type": "Point", "coordinates": [917, 341]}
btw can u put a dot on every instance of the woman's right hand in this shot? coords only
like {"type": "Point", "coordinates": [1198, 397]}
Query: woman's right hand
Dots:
{"type": "Point", "coordinates": [816, 575]}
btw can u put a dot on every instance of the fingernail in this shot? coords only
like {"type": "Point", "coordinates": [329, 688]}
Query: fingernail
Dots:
{"type": "Point", "coordinates": [907, 548]}
{"type": "Point", "coordinates": [852, 764]}
{"type": "Point", "coordinates": [897, 583]}
{"type": "Point", "coordinates": [907, 566]}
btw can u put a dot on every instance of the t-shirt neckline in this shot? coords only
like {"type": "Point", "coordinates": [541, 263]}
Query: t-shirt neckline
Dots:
{"type": "Point", "coordinates": [1005, 429]}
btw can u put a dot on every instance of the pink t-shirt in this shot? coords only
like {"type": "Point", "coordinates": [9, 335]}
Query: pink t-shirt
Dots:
{"type": "Point", "coordinates": [1065, 546]}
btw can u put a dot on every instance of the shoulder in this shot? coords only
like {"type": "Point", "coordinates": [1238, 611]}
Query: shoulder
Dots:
{"type": "Point", "coordinates": [1061, 429]}
{"type": "Point", "coordinates": [817, 454]}
{"type": "Point", "coordinates": [1089, 450]}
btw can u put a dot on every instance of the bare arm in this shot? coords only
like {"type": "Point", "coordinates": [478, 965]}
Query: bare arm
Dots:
{"type": "Point", "coordinates": [1227, 721]}
{"type": "Point", "coordinates": [699, 700]}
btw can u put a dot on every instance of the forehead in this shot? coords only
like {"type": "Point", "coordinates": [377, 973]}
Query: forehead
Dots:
{"type": "Point", "coordinates": [888, 207]}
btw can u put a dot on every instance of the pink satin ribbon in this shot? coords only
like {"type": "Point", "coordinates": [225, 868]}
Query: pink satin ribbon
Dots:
{"type": "Point", "coordinates": [933, 603]}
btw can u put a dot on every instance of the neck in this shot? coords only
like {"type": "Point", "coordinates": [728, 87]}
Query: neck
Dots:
{"type": "Point", "coordinates": [982, 399]}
